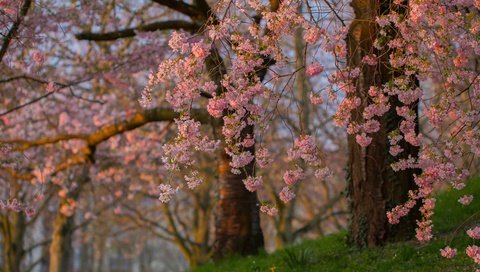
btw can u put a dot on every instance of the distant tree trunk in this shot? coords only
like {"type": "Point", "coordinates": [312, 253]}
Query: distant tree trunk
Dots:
{"type": "Point", "coordinates": [373, 186]}
{"type": "Point", "coordinates": [61, 246]}
{"type": "Point", "coordinates": [237, 221]}
{"type": "Point", "coordinates": [13, 230]}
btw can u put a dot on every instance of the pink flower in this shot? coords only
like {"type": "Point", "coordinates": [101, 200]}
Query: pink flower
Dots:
{"type": "Point", "coordinates": [263, 157]}
{"type": "Point", "coordinates": [363, 140]}
{"type": "Point", "coordinates": [315, 99]}
{"type": "Point", "coordinates": [216, 106]}
{"type": "Point", "coordinates": [474, 253]}
{"type": "Point", "coordinates": [312, 35]}
{"type": "Point", "coordinates": [371, 126]}
{"type": "Point", "coordinates": [253, 183]}
{"type": "Point", "coordinates": [395, 150]}
{"type": "Point", "coordinates": [286, 194]}
{"type": "Point", "coordinates": [38, 57]}
{"type": "Point", "coordinates": [200, 50]}
{"type": "Point", "coordinates": [370, 59]}
{"type": "Point", "coordinates": [293, 176]}
{"type": "Point", "coordinates": [448, 252]}
{"type": "Point", "coordinates": [474, 233]}
{"type": "Point", "coordinates": [323, 173]}
{"type": "Point", "coordinates": [166, 192]}
{"type": "Point", "coordinates": [241, 160]}
{"type": "Point", "coordinates": [50, 87]}
{"type": "Point", "coordinates": [248, 142]}
{"type": "Point", "coordinates": [314, 69]}
{"type": "Point", "coordinates": [29, 212]}
{"type": "Point", "coordinates": [193, 180]}
{"type": "Point", "coordinates": [466, 200]}
{"type": "Point", "coordinates": [270, 210]}
{"type": "Point", "coordinates": [178, 42]}
{"type": "Point", "coordinates": [305, 148]}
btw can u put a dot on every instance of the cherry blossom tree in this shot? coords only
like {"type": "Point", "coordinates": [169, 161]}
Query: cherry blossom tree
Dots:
{"type": "Point", "coordinates": [401, 76]}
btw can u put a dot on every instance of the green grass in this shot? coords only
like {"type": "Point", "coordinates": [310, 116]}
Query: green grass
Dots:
{"type": "Point", "coordinates": [330, 253]}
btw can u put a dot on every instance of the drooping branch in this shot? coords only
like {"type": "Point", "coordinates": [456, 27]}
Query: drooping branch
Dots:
{"type": "Point", "coordinates": [14, 29]}
{"type": "Point", "coordinates": [131, 32]}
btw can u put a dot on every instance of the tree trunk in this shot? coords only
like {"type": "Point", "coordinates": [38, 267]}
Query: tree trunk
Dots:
{"type": "Point", "coordinates": [373, 186]}
{"type": "Point", "coordinates": [61, 247]}
{"type": "Point", "coordinates": [237, 222]}
{"type": "Point", "coordinates": [13, 230]}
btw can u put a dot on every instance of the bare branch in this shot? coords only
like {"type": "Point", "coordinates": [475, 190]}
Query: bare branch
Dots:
{"type": "Point", "coordinates": [131, 32]}
{"type": "Point", "coordinates": [179, 6]}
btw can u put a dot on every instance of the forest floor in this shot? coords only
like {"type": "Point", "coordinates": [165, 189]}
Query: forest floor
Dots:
{"type": "Point", "coordinates": [330, 253]}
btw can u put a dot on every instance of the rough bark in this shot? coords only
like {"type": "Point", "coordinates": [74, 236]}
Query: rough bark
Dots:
{"type": "Point", "coordinates": [237, 221]}
{"type": "Point", "coordinates": [373, 186]}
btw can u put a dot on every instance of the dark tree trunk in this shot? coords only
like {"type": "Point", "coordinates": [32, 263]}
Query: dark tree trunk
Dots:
{"type": "Point", "coordinates": [374, 188]}
{"type": "Point", "coordinates": [237, 221]}
{"type": "Point", "coordinates": [13, 231]}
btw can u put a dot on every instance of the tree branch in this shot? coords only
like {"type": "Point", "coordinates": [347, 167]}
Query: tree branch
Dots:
{"type": "Point", "coordinates": [137, 120]}
{"type": "Point", "coordinates": [131, 32]}
{"type": "Point", "coordinates": [179, 6]}
{"type": "Point", "coordinates": [13, 30]}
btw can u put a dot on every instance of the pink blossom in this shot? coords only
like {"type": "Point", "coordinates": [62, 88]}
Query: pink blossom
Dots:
{"type": "Point", "coordinates": [424, 231]}
{"type": "Point", "coordinates": [363, 140]}
{"type": "Point", "coordinates": [466, 200]}
{"type": "Point", "coordinates": [370, 59]}
{"type": "Point", "coordinates": [305, 148]}
{"type": "Point", "coordinates": [448, 252]}
{"type": "Point", "coordinates": [270, 210]}
{"type": "Point", "coordinates": [474, 233]}
{"type": "Point", "coordinates": [286, 194]}
{"type": "Point", "coordinates": [38, 57]}
{"type": "Point", "coordinates": [50, 87]}
{"type": "Point", "coordinates": [395, 150]}
{"type": "Point", "coordinates": [216, 106]}
{"type": "Point", "coordinates": [293, 176]}
{"type": "Point", "coordinates": [315, 99]}
{"type": "Point", "coordinates": [253, 183]}
{"type": "Point", "coordinates": [314, 69]}
{"type": "Point", "coordinates": [29, 212]}
{"type": "Point", "coordinates": [193, 180]}
{"type": "Point", "coordinates": [241, 160]}
{"type": "Point", "coordinates": [178, 42]}
{"type": "Point", "coordinates": [200, 50]}
{"type": "Point", "coordinates": [166, 192]}
{"type": "Point", "coordinates": [312, 35]}
{"type": "Point", "coordinates": [371, 126]}
{"type": "Point", "coordinates": [38, 197]}
{"type": "Point", "coordinates": [323, 173]}
{"type": "Point", "coordinates": [474, 253]}
{"type": "Point", "coordinates": [263, 157]}
{"type": "Point", "coordinates": [248, 142]}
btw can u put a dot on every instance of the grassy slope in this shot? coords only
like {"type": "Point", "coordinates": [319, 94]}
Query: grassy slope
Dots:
{"type": "Point", "coordinates": [331, 254]}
